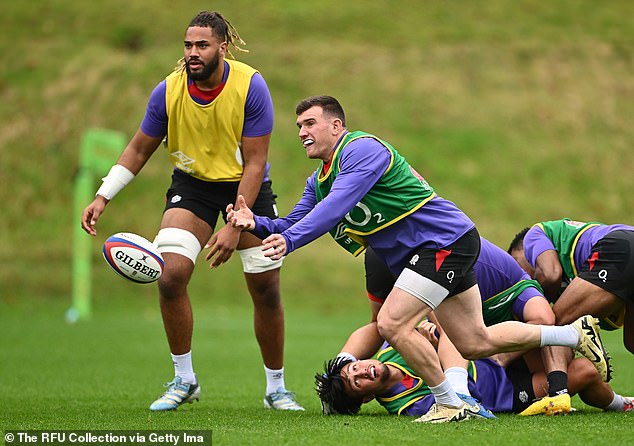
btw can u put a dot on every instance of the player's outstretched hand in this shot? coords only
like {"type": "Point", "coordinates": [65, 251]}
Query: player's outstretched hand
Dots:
{"type": "Point", "coordinates": [91, 214]}
{"type": "Point", "coordinates": [242, 217]}
{"type": "Point", "coordinates": [222, 245]}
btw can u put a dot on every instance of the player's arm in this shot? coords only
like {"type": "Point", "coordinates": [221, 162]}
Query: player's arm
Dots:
{"type": "Point", "coordinates": [256, 136]}
{"type": "Point", "coordinates": [138, 151]}
{"type": "Point", "coordinates": [548, 272]}
{"type": "Point", "coordinates": [448, 354]}
{"type": "Point", "coordinates": [362, 164]}
{"type": "Point", "coordinates": [541, 255]}
{"type": "Point", "coordinates": [365, 341]}
{"type": "Point", "coordinates": [254, 153]}
{"type": "Point", "coordinates": [243, 218]}
{"type": "Point", "coordinates": [132, 159]}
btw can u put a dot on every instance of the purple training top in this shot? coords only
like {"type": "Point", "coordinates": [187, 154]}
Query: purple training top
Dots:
{"type": "Point", "coordinates": [496, 271]}
{"type": "Point", "coordinates": [435, 225]}
{"type": "Point", "coordinates": [536, 242]}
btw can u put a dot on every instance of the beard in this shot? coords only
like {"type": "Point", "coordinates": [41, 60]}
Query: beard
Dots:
{"type": "Point", "coordinates": [385, 373]}
{"type": "Point", "coordinates": [207, 71]}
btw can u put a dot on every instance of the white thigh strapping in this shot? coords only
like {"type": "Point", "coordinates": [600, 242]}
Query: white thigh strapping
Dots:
{"type": "Point", "coordinates": [421, 287]}
{"type": "Point", "coordinates": [254, 261]}
{"type": "Point", "coordinates": [178, 241]}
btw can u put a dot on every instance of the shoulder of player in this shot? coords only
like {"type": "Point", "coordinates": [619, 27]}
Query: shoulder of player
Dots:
{"type": "Point", "coordinates": [366, 149]}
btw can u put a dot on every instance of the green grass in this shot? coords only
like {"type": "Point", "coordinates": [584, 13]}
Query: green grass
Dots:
{"type": "Point", "coordinates": [104, 374]}
{"type": "Point", "coordinates": [517, 110]}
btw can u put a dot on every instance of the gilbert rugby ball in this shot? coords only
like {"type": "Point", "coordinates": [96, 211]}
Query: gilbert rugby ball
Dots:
{"type": "Point", "coordinates": [133, 257]}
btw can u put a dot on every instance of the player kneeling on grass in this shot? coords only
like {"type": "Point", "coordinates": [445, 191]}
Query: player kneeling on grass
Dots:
{"type": "Point", "coordinates": [346, 383]}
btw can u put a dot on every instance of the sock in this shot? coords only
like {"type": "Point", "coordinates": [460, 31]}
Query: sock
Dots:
{"type": "Point", "coordinates": [616, 404]}
{"type": "Point", "coordinates": [183, 367]}
{"type": "Point", "coordinates": [274, 380]}
{"type": "Point", "coordinates": [445, 395]}
{"type": "Point", "coordinates": [557, 383]}
{"type": "Point", "coordinates": [565, 335]}
{"type": "Point", "coordinates": [458, 379]}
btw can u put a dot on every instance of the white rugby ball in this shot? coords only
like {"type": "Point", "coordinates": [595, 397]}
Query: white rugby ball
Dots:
{"type": "Point", "coordinates": [133, 257]}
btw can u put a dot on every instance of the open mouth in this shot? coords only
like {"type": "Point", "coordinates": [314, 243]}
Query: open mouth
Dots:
{"type": "Point", "coordinates": [308, 142]}
{"type": "Point", "coordinates": [373, 371]}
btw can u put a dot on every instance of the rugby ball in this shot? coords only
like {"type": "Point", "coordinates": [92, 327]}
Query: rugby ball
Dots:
{"type": "Point", "coordinates": [133, 257]}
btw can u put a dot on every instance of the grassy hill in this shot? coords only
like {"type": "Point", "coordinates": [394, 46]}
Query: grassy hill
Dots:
{"type": "Point", "coordinates": [515, 110]}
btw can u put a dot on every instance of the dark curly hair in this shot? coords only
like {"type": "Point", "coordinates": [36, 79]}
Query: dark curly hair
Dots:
{"type": "Point", "coordinates": [331, 391]}
{"type": "Point", "coordinates": [518, 240]}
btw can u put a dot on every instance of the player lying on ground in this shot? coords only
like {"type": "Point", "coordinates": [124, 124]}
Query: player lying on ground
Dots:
{"type": "Point", "coordinates": [347, 384]}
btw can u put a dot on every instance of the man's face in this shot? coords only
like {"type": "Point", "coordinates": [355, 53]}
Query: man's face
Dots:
{"type": "Point", "coordinates": [365, 379]}
{"type": "Point", "coordinates": [318, 132]}
{"type": "Point", "coordinates": [202, 53]}
{"type": "Point", "coordinates": [518, 255]}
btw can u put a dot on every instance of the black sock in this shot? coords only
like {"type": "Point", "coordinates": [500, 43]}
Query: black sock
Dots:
{"type": "Point", "coordinates": [557, 383]}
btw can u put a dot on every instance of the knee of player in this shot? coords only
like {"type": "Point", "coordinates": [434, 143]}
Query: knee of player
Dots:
{"type": "Point", "coordinates": [172, 283]}
{"type": "Point", "coordinates": [542, 318]}
{"type": "Point", "coordinates": [264, 289]}
{"type": "Point", "coordinates": [266, 298]}
{"type": "Point", "coordinates": [583, 371]}
{"type": "Point", "coordinates": [472, 352]}
{"type": "Point", "coordinates": [388, 328]}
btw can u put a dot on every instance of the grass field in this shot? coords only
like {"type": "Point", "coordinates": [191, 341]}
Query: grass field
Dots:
{"type": "Point", "coordinates": [516, 110]}
{"type": "Point", "coordinates": [103, 375]}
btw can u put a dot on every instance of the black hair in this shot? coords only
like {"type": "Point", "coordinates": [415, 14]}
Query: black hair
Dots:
{"type": "Point", "coordinates": [331, 391]}
{"type": "Point", "coordinates": [329, 104]}
{"type": "Point", "coordinates": [221, 29]}
{"type": "Point", "coordinates": [518, 241]}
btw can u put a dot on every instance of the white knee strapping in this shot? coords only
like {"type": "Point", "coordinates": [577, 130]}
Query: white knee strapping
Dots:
{"type": "Point", "coordinates": [253, 261]}
{"type": "Point", "coordinates": [178, 241]}
{"type": "Point", "coordinates": [421, 287]}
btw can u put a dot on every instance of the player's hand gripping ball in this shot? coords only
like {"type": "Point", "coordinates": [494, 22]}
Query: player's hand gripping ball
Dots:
{"type": "Point", "coordinates": [133, 257]}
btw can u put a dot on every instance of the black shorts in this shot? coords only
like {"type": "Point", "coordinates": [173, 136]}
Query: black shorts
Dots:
{"type": "Point", "coordinates": [208, 199]}
{"type": "Point", "coordinates": [611, 265]}
{"type": "Point", "coordinates": [450, 267]}
{"type": "Point", "coordinates": [379, 280]}
{"type": "Point", "coordinates": [520, 376]}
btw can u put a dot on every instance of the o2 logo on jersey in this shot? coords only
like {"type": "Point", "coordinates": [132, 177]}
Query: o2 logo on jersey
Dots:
{"type": "Point", "coordinates": [360, 215]}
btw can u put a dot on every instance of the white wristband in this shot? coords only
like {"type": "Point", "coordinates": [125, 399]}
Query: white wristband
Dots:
{"type": "Point", "coordinates": [117, 179]}
{"type": "Point", "coordinates": [346, 355]}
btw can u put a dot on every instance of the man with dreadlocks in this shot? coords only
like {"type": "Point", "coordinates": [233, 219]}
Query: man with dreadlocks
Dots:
{"type": "Point", "coordinates": [217, 115]}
